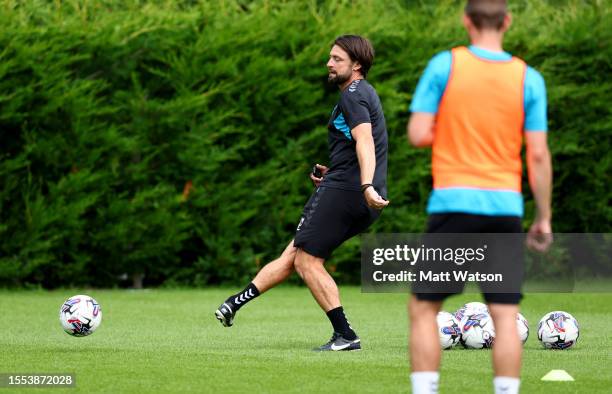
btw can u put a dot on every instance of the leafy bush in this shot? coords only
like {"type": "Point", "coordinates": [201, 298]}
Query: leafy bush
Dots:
{"type": "Point", "coordinates": [173, 139]}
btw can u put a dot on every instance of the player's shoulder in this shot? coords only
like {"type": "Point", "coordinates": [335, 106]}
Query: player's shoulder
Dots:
{"type": "Point", "coordinates": [441, 60]}
{"type": "Point", "coordinates": [533, 74]}
{"type": "Point", "coordinates": [440, 64]}
{"type": "Point", "coordinates": [358, 89]}
{"type": "Point", "coordinates": [442, 57]}
{"type": "Point", "coordinates": [358, 86]}
{"type": "Point", "coordinates": [534, 79]}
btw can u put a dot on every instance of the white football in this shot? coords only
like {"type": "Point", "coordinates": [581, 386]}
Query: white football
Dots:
{"type": "Point", "coordinates": [471, 308]}
{"type": "Point", "coordinates": [522, 326]}
{"type": "Point", "coordinates": [80, 315]}
{"type": "Point", "coordinates": [558, 330]}
{"type": "Point", "coordinates": [477, 331]}
{"type": "Point", "coordinates": [448, 330]}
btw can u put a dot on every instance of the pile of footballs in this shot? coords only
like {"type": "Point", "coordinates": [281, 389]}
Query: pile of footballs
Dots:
{"type": "Point", "coordinates": [472, 326]}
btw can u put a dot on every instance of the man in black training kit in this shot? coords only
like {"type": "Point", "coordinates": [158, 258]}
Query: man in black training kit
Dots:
{"type": "Point", "coordinates": [348, 196]}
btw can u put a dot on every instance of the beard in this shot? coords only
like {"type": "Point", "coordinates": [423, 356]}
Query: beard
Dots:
{"type": "Point", "coordinates": [338, 79]}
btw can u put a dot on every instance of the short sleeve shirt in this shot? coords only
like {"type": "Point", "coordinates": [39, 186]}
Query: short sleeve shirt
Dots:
{"type": "Point", "coordinates": [358, 104]}
{"type": "Point", "coordinates": [426, 99]}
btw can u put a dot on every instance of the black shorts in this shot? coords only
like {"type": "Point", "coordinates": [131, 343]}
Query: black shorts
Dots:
{"type": "Point", "coordinates": [470, 223]}
{"type": "Point", "coordinates": [330, 217]}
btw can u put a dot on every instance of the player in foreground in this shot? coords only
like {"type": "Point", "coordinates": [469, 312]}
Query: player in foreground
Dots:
{"type": "Point", "coordinates": [474, 105]}
{"type": "Point", "coordinates": [348, 196]}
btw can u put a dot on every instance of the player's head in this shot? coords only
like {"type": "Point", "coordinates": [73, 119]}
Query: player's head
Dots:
{"type": "Point", "coordinates": [486, 15]}
{"type": "Point", "coordinates": [349, 54]}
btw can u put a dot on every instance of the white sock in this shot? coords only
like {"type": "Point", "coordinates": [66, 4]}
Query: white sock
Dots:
{"type": "Point", "coordinates": [425, 382]}
{"type": "Point", "coordinates": [506, 385]}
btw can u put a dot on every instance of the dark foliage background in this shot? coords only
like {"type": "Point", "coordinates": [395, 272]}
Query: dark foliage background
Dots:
{"type": "Point", "coordinates": [173, 138]}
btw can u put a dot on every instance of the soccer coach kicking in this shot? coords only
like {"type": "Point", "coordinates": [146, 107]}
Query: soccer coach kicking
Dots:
{"type": "Point", "coordinates": [348, 196]}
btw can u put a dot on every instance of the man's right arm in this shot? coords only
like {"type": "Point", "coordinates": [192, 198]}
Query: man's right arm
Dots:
{"type": "Point", "coordinates": [421, 129]}
{"type": "Point", "coordinates": [426, 99]}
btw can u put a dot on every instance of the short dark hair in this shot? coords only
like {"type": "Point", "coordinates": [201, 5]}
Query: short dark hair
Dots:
{"type": "Point", "coordinates": [359, 49]}
{"type": "Point", "coordinates": [486, 14]}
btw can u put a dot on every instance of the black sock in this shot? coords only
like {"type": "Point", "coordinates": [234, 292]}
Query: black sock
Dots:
{"type": "Point", "coordinates": [341, 325]}
{"type": "Point", "coordinates": [239, 299]}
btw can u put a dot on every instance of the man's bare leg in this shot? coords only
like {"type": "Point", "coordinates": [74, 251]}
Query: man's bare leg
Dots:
{"type": "Point", "coordinates": [425, 353]}
{"type": "Point", "coordinates": [269, 276]}
{"type": "Point", "coordinates": [325, 291]}
{"type": "Point", "coordinates": [321, 284]}
{"type": "Point", "coordinates": [276, 271]}
{"type": "Point", "coordinates": [508, 349]}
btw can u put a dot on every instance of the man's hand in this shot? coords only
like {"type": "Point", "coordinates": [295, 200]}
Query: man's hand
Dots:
{"type": "Point", "coordinates": [373, 199]}
{"type": "Point", "coordinates": [315, 180]}
{"type": "Point", "coordinates": [539, 237]}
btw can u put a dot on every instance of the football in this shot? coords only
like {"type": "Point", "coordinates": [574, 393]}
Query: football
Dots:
{"type": "Point", "coordinates": [558, 330]}
{"type": "Point", "coordinates": [448, 330]}
{"type": "Point", "coordinates": [471, 308]}
{"type": "Point", "coordinates": [80, 315]}
{"type": "Point", "coordinates": [522, 326]}
{"type": "Point", "coordinates": [477, 331]}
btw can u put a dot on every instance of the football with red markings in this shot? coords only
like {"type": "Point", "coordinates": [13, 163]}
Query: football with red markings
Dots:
{"type": "Point", "coordinates": [471, 308]}
{"type": "Point", "coordinates": [477, 331]}
{"type": "Point", "coordinates": [80, 315]}
{"type": "Point", "coordinates": [558, 330]}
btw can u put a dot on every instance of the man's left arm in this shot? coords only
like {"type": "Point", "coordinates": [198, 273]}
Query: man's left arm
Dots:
{"type": "Point", "coordinates": [539, 163]}
{"type": "Point", "coordinates": [366, 154]}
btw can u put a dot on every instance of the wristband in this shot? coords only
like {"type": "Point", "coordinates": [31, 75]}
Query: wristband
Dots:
{"type": "Point", "coordinates": [365, 186]}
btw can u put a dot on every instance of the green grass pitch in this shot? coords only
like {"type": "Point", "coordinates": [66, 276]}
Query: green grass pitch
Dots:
{"type": "Point", "coordinates": [168, 341]}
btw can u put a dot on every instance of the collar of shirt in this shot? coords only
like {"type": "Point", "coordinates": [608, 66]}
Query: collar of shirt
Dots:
{"type": "Point", "coordinates": [489, 55]}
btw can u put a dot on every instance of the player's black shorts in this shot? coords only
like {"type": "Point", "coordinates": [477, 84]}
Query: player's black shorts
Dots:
{"type": "Point", "coordinates": [470, 223]}
{"type": "Point", "coordinates": [330, 217]}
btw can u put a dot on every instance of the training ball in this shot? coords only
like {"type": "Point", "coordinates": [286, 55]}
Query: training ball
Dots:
{"type": "Point", "coordinates": [80, 315]}
{"type": "Point", "coordinates": [558, 330]}
{"type": "Point", "coordinates": [522, 325]}
{"type": "Point", "coordinates": [477, 331]}
{"type": "Point", "coordinates": [448, 330]}
{"type": "Point", "coordinates": [471, 308]}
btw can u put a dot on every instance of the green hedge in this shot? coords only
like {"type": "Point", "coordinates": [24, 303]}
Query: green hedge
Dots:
{"type": "Point", "coordinates": [110, 109]}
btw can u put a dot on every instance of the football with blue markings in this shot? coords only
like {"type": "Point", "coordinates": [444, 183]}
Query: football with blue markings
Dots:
{"type": "Point", "coordinates": [471, 308]}
{"type": "Point", "coordinates": [558, 330]}
{"type": "Point", "coordinates": [448, 330]}
{"type": "Point", "coordinates": [477, 331]}
{"type": "Point", "coordinates": [80, 315]}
